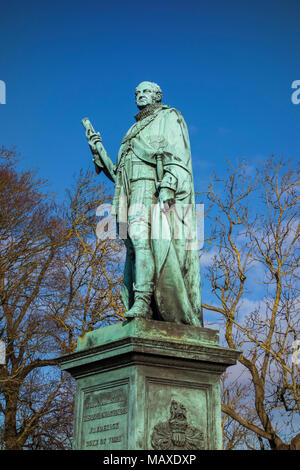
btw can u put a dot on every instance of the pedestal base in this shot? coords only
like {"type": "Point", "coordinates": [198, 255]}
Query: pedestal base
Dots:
{"type": "Point", "coordinates": [145, 385]}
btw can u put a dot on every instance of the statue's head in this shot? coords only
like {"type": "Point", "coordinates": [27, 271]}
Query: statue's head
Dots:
{"type": "Point", "coordinates": [147, 93]}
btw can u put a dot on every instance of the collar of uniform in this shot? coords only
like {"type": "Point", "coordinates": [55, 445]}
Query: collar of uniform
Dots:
{"type": "Point", "coordinates": [147, 111]}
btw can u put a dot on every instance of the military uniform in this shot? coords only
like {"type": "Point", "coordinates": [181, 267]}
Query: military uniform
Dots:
{"type": "Point", "coordinates": [168, 270]}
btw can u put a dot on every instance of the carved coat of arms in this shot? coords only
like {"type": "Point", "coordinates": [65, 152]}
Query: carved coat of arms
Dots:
{"type": "Point", "coordinates": [176, 433]}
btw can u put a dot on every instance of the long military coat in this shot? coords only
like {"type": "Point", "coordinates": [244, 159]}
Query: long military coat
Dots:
{"type": "Point", "coordinates": [177, 292]}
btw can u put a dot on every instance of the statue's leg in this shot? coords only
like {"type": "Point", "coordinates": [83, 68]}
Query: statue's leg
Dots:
{"type": "Point", "coordinates": [129, 273]}
{"type": "Point", "coordinates": [139, 230]}
{"type": "Point", "coordinates": [144, 275]}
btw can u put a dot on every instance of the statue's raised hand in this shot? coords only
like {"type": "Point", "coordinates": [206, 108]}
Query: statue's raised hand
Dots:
{"type": "Point", "coordinates": [92, 136]}
{"type": "Point", "coordinates": [101, 158]}
{"type": "Point", "coordinates": [93, 139]}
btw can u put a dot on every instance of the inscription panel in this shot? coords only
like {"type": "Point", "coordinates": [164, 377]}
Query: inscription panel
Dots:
{"type": "Point", "coordinates": [104, 421]}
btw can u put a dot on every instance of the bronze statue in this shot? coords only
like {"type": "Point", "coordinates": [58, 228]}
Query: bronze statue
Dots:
{"type": "Point", "coordinates": [155, 208]}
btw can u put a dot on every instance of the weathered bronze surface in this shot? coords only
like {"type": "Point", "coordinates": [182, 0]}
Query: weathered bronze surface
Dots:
{"type": "Point", "coordinates": [154, 205]}
{"type": "Point", "coordinates": [148, 384]}
{"type": "Point", "coordinates": [176, 433]}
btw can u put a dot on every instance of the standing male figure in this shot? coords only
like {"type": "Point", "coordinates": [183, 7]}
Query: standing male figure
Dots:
{"type": "Point", "coordinates": [155, 208]}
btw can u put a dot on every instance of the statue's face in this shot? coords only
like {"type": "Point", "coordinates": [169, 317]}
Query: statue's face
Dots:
{"type": "Point", "coordinates": [145, 94]}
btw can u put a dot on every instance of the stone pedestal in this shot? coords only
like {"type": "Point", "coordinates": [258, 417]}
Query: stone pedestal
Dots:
{"type": "Point", "coordinates": [145, 385]}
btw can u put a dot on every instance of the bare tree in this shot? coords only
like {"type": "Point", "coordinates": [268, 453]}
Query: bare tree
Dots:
{"type": "Point", "coordinates": [57, 280]}
{"type": "Point", "coordinates": [253, 276]}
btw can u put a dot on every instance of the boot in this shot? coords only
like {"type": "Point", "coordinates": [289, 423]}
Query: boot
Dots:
{"type": "Point", "coordinates": [142, 299]}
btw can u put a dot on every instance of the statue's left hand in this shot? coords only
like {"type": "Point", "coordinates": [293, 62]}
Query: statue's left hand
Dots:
{"type": "Point", "coordinates": [166, 198]}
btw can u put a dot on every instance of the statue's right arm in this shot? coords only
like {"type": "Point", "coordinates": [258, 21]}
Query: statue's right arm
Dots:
{"type": "Point", "coordinates": [101, 158]}
{"type": "Point", "coordinates": [102, 161]}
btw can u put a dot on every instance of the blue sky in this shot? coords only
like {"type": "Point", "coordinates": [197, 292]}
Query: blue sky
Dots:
{"type": "Point", "coordinates": [226, 65]}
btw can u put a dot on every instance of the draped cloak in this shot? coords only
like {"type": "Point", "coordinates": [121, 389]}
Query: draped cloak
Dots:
{"type": "Point", "coordinates": [177, 290]}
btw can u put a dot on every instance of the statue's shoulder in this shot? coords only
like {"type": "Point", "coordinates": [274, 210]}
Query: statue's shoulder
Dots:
{"type": "Point", "coordinates": [170, 113]}
{"type": "Point", "coordinates": [169, 110]}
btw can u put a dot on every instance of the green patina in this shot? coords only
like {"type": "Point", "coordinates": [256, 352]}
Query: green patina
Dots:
{"type": "Point", "coordinates": [152, 381]}
{"type": "Point", "coordinates": [143, 328]}
{"type": "Point", "coordinates": [148, 384]}
{"type": "Point", "coordinates": [154, 204]}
